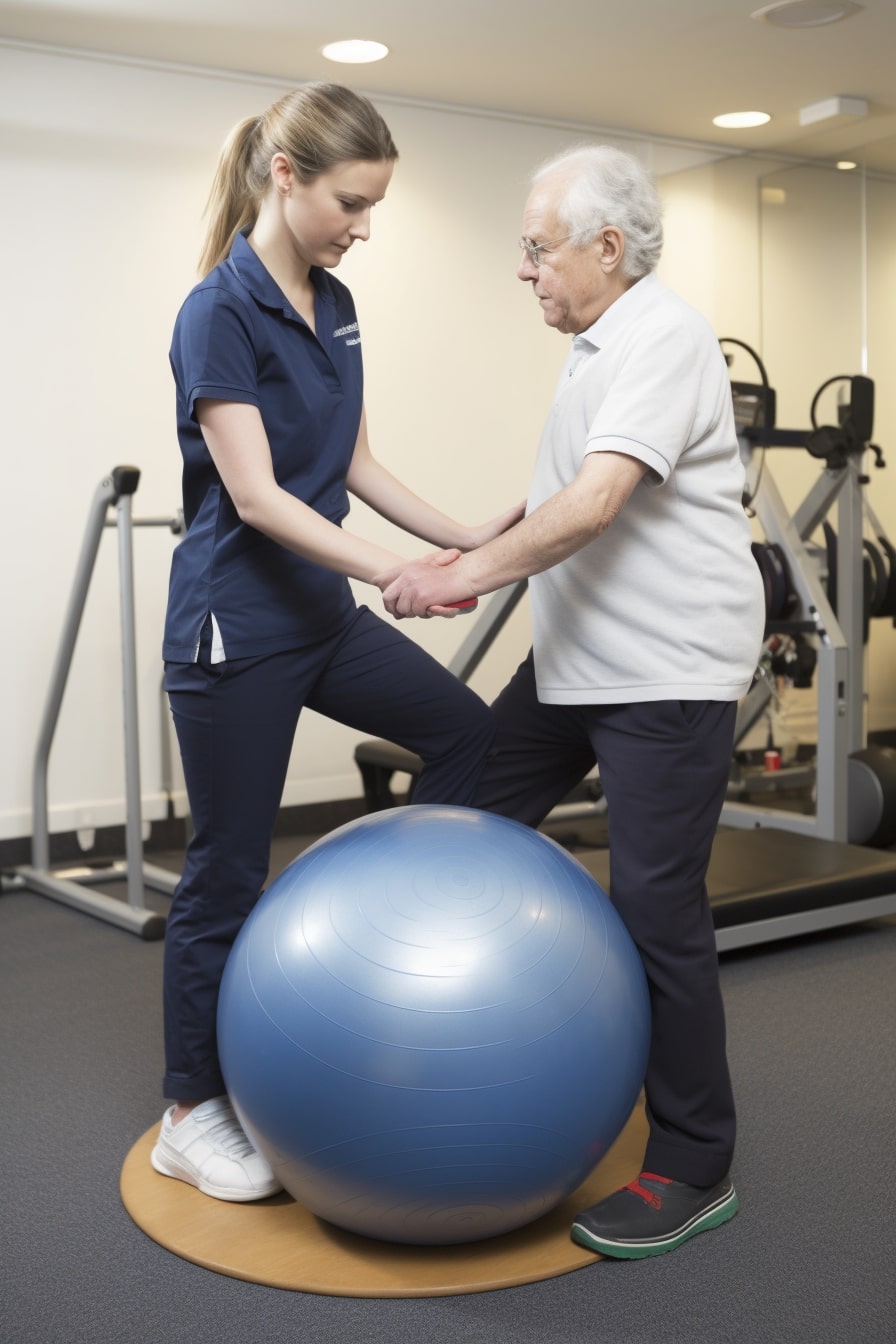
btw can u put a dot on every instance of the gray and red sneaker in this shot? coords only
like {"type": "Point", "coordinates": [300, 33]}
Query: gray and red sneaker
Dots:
{"type": "Point", "coordinates": [652, 1215]}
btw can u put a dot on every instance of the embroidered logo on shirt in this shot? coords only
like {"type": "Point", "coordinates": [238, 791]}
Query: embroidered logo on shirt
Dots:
{"type": "Point", "coordinates": [346, 331]}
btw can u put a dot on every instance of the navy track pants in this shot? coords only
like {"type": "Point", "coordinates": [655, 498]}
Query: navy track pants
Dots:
{"type": "Point", "coordinates": [235, 723]}
{"type": "Point", "coordinates": [664, 769]}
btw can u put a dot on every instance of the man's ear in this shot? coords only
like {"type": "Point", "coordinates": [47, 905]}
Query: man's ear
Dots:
{"type": "Point", "coordinates": [612, 243]}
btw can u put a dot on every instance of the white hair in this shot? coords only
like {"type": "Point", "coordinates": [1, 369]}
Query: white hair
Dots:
{"type": "Point", "coordinates": [607, 186]}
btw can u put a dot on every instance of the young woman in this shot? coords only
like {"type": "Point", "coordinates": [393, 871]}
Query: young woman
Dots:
{"type": "Point", "coordinates": [261, 619]}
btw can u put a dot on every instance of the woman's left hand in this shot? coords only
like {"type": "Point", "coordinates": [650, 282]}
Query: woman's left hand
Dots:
{"type": "Point", "coordinates": [478, 536]}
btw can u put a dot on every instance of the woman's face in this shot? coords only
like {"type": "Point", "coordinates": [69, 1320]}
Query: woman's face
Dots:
{"type": "Point", "coordinates": [327, 215]}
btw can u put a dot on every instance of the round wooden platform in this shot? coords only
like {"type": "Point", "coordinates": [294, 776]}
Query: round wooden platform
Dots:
{"type": "Point", "coordinates": [278, 1243]}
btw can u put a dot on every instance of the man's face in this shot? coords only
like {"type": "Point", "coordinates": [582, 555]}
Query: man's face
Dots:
{"type": "Point", "coordinates": [574, 284]}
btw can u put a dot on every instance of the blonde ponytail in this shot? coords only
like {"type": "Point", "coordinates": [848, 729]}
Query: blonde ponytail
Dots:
{"type": "Point", "coordinates": [231, 205]}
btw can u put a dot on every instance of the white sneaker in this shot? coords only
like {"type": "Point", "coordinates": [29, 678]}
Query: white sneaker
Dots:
{"type": "Point", "coordinates": [209, 1149]}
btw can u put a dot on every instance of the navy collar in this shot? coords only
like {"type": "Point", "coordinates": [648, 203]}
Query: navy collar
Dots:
{"type": "Point", "coordinates": [257, 279]}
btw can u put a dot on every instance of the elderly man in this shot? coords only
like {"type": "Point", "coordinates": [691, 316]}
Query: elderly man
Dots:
{"type": "Point", "coordinates": [648, 614]}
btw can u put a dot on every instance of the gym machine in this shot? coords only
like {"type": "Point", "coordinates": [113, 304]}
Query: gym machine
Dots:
{"type": "Point", "coordinates": [75, 886]}
{"type": "Point", "coordinates": [780, 872]}
{"type": "Point", "coordinates": [777, 872]}
{"type": "Point", "coordinates": [820, 599]}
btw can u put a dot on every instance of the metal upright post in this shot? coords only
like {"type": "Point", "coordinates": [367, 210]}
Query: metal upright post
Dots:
{"type": "Point", "coordinates": [829, 820]}
{"type": "Point", "coordinates": [851, 596]}
{"type": "Point", "coordinates": [40, 827]}
{"type": "Point", "coordinates": [75, 886]}
{"type": "Point", "coordinates": [133, 815]}
{"type": "Point", "coordinates": [488, 626]}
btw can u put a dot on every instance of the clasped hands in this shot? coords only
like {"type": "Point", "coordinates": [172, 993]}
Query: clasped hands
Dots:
{"type": "Point", "coordinates": [425, 587]}
{"type": "Point", "coordinates": [430, 585]}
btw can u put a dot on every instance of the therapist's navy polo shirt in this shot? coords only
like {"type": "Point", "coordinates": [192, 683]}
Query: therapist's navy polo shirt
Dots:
{"type": "Point", "coordinates": [237, 338]}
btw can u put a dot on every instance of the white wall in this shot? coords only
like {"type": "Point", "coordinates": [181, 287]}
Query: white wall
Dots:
{"type": "Point", "coordinates": [800, 263]}
{"type": "Point", "coordinates": [711, 248]}
{"type": "Point", "coordinates": [880, 326]}
{"type": "Point", "coordinates": [828, 254]}
{"type": "Point", "coordinates": [105, 169]}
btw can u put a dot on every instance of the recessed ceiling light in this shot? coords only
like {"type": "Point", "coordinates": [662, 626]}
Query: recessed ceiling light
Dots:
{"type": "Point", "coordinates": [355, 51]}
{"type": "Point", "coordinates": [739, 121]}
{"type": "Point", "coordinates": [845, 165]}
{"type": "Point", "coordinates": [805, 13]}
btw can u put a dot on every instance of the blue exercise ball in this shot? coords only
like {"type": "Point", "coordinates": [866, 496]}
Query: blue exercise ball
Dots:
{"type": "Point", "coordinates": [433, 1024]}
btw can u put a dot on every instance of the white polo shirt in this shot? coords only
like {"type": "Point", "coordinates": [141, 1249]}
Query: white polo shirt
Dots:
{"type": "Point", "coordinates": [667, 603]}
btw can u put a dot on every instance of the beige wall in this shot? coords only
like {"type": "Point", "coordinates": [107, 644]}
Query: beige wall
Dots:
{"type": "Point", "coordinates": [800, 263]}
{"type": "Point", "coordinates": [105, 169]}
{"type": "Point", "coordinates": [881, 343]}
{"type": "Point", "coordinates": [104, 172]}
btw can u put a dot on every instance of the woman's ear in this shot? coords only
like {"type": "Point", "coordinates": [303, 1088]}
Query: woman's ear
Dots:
{"type": "Point", "coordinates": [281, 173]}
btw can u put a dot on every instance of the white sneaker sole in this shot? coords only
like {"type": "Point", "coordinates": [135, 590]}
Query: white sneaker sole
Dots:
{"type": "Point", "coordinates": [166, 1165]}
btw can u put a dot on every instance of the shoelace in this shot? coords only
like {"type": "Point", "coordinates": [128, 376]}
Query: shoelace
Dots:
{"type": "Point", "coordinates": [227, 1136]}
{"type": "Point", "coordinates": [649, 1196]}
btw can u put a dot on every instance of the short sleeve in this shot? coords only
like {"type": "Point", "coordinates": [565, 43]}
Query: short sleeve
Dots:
{"type": "Point", "coordinates": [213, 349]}
{"type": "Point", "coordinates": [652, 403]}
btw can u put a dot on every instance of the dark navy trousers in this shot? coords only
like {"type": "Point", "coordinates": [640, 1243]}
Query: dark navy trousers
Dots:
{"type": "Point", "coordinates": [235, 724]}
{"type": "Point", "coordinates": [664, 768]}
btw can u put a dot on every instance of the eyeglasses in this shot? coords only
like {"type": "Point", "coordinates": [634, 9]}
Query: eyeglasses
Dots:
{"type": "Point", "coordinates": [532, 250]}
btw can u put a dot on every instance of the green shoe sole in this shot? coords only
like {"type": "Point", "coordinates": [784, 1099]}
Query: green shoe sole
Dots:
{"type": "Point", "coordinates": [640, 1249]}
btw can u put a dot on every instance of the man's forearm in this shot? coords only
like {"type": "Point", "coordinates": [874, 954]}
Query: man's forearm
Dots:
{"type": "Point", "coordinates": [555, 530]}
{"type": "Point", "coordinates": [558, 528]}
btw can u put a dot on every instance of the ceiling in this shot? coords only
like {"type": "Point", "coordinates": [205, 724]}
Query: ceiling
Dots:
{"type": "Point", "coordinates": [663, 68]}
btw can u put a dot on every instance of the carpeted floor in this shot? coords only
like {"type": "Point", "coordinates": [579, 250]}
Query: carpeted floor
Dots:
{"type": "Point", "coordinates": [809, 1257]}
